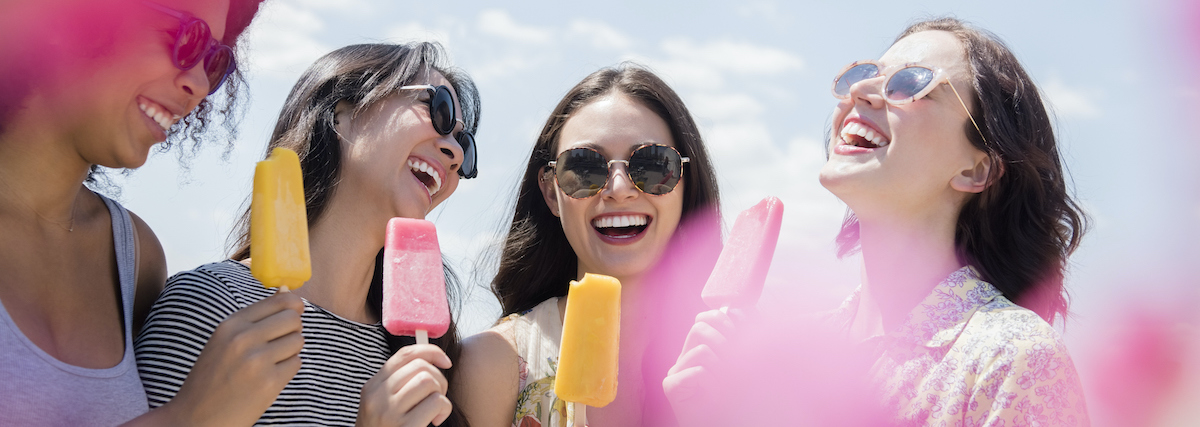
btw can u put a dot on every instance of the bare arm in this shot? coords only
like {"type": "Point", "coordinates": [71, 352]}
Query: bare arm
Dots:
{"type": "Point", "coordinates": [151, 272]}
{"type": "Point", "coordinates": [485, 387]}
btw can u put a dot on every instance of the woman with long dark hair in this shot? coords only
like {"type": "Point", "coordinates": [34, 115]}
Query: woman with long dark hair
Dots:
{"type": "Point", "coordinates": [617, 167]}
{"type": "Point", "coordinates": [382, 131]}
{"type": "Point", "coordinates": [98, 83]}
{"type": "Point", "coordinates": [946, 157]}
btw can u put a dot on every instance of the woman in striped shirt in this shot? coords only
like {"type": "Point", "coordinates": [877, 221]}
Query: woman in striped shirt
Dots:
{"type": "Point", "coordinates": [371, 148]}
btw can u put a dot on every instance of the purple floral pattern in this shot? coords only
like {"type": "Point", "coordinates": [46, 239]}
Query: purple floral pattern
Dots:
{"type": "Point", "coordinates": [967, 356]}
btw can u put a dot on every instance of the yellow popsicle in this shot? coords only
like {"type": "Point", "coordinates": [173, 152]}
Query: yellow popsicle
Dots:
{"type": "Point", "coordinates": [278, 222]}
{"type": "Point", "coordinates": [587, 359]}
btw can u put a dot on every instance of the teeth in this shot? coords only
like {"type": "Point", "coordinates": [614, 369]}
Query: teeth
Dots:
{"type": "Point", "coordinates": [620, 221]}
{"type": "Point", "coordinates": [853, 128]}
{"type": "Point", "coordinates": [164, 119]}
{"type": "Point", "coordinates": [419, 166]}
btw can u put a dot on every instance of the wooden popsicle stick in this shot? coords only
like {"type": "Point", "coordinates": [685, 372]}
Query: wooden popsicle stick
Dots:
{"type": "Point", "coordinates": [580, 414]}
{"type": "Point", "coordinates": [422, 336]}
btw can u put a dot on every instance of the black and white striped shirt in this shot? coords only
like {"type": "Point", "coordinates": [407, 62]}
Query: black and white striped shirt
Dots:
{"type": "Point", "coordinates": [339, 355]}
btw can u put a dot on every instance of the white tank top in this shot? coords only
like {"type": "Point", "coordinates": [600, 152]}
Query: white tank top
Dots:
{"type": "Point", "coordinates": [37, 389]}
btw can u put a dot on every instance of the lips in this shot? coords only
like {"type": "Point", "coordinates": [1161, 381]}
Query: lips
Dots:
{"type": "Point", "coordinates": [161, 115]}
{"type": "Point", "coordinates": [621, 228]}
{"type": "Point", "coordinates": [860, 134]}
{"type": "Point", "coordinates": [429, 175]}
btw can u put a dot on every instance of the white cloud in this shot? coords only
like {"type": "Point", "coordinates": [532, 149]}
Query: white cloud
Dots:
{"type": "Point", "coordinates": [1069, 102]}
{"type": "Point", "coordinates": [738, 57]}
{"type": "Point", "coordinates": [600, 35]}
{"type": "Point", "coordinates": [417, 31]}
{"type": "Point", "coordinates": [283, 39]}
{"type": "Point", "coordinates": [498, 23]}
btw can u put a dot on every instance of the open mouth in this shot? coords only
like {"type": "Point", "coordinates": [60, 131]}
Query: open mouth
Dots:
{"type": "Point", "coordinates": [159, 114]}
{"type": "Point", "coordinates": [427, 174]}
{"type": "Point", "coordinates": [621, 226]}
{"type": "Point", "coordinates": [855, 134]}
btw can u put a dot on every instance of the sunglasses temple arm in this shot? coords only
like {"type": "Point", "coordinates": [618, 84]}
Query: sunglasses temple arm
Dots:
{"type": "Point", "coordinates": [964, 105]}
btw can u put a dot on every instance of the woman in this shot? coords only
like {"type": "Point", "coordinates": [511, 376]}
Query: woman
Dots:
{"type": "Point", "coordinates": [944, 153]}
{"type": "Point", "coordinates": [98, 83]}
{"type": "Point", "coordinates": [381, 132]}
{"type": "Point", "coordinates": [588, 203]}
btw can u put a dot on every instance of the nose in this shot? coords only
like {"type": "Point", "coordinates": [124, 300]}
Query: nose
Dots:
{"type": "Point", "coordinates": [868, 91]}
{"type": "Point", "coordinates": [451, 152]}
{"type": "Point", "coordinates": [620, 187]}
{"type": "Point", "coordinates": [193, 82]}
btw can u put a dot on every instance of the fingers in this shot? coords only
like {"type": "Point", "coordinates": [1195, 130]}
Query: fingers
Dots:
{"type": "Point", "coordinates": [685, 384]}
{"type": "Point", "coordinates": [270, 305]}
{"type": "Point", "coordinates": [427, 352]}
{"type": "Point", "coordinates": [416, 392]}
{"type": "Point", "coordinates": [434, 409]}
{"type": "Point", "coordinates": [703, 333]}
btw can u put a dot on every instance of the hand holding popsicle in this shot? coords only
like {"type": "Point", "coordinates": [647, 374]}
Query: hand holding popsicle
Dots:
{"type": "Point", "coordinates": [409, 390]}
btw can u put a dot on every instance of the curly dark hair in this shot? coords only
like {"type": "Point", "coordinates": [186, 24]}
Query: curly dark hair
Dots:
{"type": "Point", "coordinates": [1019, 231]}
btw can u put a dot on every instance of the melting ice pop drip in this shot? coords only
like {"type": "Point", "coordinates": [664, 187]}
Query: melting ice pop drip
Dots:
{"type": "Point", "coordinates": [414, 285]}
{"type": "Point", "coordinates": [738, 277]}
{"type": "Point", "coordinates": [279, 251]}
{"type": "Point", "coordinates": [587, 361]}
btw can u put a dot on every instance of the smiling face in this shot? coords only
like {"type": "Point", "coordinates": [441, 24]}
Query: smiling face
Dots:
{"type": "Point", "coordinates": [621, 231]}
{"type": "Point", "coordinates": [904, 160]}
{"type": "Point", "coordinates": [114, 94]}
{"type": "Point", "coordinates": [394, 163]}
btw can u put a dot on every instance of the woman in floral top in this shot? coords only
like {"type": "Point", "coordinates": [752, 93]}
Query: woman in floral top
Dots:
{"type": "Point", "coordinates": [947, 159]}
{"type": "Point", "coordinates": [619, 225]}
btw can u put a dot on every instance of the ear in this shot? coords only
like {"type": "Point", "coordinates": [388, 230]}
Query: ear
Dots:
{"type": "Point", "coordinates": [549, 189]}
{"type": "Point", "coordinates": [342, 116]}
{"type": "Point", "coordinates": [976, 178]}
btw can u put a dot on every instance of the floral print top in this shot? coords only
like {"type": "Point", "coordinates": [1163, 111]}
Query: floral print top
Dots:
{"type": "Point", "coordinates": [538, 333]}
{"type": "Point", "coordinates": [967, 356]}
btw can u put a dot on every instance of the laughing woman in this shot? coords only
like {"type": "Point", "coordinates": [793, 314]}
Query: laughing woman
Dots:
{"type": "Point", "coordinates": [585, 206]}
{"type": "Point", "coordinates": [382, 131]}
{"type": "Point", "coordinates": [93, 83]}
{"type": "Point", "coordinates": [946, 156]}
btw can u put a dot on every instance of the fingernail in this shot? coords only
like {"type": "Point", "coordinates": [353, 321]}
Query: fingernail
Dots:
{"type": "Point", "coordinates": [284, 288]}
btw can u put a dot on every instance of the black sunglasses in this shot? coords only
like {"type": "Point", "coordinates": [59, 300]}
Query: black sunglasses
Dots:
{"type": "Point", "coordinates": [652, 168]}
{"type": "Point", "coordinates": [194, 45]}
{"type": "Point", "coordinates": [444, 118]}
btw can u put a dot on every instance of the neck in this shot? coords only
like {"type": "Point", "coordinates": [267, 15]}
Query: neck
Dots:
{"type": "Point", "coordinates": [40, 173]}
{"type": "Point", "coordinates": [902, 262]}
{"type": "Point", "coordinates": [343, 245]}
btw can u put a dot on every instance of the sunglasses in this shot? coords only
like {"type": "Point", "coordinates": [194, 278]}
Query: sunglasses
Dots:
{"type": "Point", "coordinates": [583, 172]}
{"type": "Point", "coordinates": [194, 45]}
{"type": "Point", "coordinates": [444, 118]}
{"type": "Point", "coordinates": [902, 84]}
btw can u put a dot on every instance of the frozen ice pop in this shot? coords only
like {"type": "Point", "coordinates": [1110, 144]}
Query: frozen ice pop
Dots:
{"type": "Point", "coordinates": [414, 285]}
{"type": "Point", "coordinates": [587, 359]}
{"type": "Point", "coordinates": [738, 277]}
{"type": "Point", "coordinates": [278, 222]}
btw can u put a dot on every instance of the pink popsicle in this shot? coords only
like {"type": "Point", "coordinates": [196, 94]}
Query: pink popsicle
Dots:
{"type": "Point", "coordinates": [414, 286]}
{"type": "Point", "coordinates": [741, 270]}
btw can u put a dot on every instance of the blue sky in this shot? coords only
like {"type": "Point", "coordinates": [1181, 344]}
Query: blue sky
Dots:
{"type": "Point", "coordinates": [756, 76]}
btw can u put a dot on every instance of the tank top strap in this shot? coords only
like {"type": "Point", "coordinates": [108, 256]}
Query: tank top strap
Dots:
{"type": "Point", "coordinates": [125, 247]}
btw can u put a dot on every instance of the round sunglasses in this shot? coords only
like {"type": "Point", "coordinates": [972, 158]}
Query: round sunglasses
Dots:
{"type": "Point", "coordinates": [194, 45]}
{"type": "Point", "coordinates": [444, 118]}
{"type": "Point", "coordinates": [653, 168]}
{"type": "Point", "coordinates": [902, 84]}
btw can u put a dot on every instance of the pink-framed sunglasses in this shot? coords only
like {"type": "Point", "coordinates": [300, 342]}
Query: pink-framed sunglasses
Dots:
{"type": "Point", "coordinates": [902, 84]}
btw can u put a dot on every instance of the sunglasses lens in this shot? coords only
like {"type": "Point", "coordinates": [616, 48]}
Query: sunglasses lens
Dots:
{"type": "Point", "coordinates": [907, 83]}
{"type": "Point", "coordinates": [655, 169]}
{"type": "Point", "coordinates": [855, 74]}
{"type": "Point", "coordinates": [217, 66]}
{"type": "Point", "coordinates": [467, 141]}
{"type": "Point", "coordinates": [441, 110]}
{"type": "Point", "coordinates": [191, 44]}
{"type": "Point", "coordinates": [581, 172]}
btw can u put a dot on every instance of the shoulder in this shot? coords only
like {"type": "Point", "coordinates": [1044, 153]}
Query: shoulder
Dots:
{"type": "Point", "coordinates": [214, 290]}
{"type": "Point", "coordinates": [485, 386]}
{"type": "Point", "coordinates": [151, 270]}
{"type": "Point", "coordinates": [491, 353]}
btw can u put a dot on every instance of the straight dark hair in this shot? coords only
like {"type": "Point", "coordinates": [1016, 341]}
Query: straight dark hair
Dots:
{"type": "Point", "coordinates": [1019, 231]}
{"type": "Point", "coordinates": [537, 262]}
{"type": "Point", "coordinates": [361, 75]}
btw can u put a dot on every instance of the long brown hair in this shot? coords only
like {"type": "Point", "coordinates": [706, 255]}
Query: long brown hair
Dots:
{"type": "Point", "coordinates": [360, 75]}
{"type": "Point", "coordinates": [1019, 231]}
{"type": "Point", "coordinates": [537, 262]}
